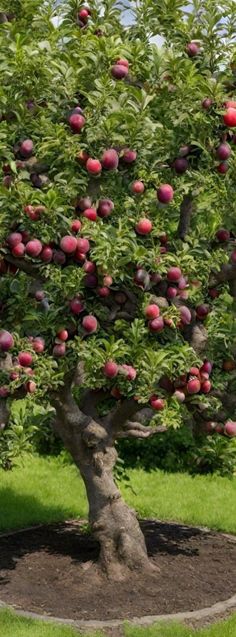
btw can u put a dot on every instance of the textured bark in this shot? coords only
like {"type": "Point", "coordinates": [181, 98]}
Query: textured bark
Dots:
{"type": "Point", "coordinates": [186, 210]}
{"type": "Point", "coordinates": [113, 524]}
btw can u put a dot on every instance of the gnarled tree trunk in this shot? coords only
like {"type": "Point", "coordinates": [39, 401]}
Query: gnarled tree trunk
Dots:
{"type": "Point", "coordinates": [113, 523]}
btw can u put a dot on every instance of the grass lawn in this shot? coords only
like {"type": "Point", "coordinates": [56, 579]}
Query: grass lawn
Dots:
{"type": "Point", "coordinates": [12, 625]}
{"type": "Point", "coordinates": [46, 490]}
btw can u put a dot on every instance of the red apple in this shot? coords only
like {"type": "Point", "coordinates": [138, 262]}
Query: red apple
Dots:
{"type": "Point", "coordinates": [83, 245]}
{"type": "Point", "coordinates": [230, 428]}
{"type": "Point", "coordinates": [26, 148]}
{"type": "Point", "coordinates": [76, 225]}
{"type": "Point", "coordinates": [90, 281]}
{"type": "Point", "coordinates": [165, 193]}
{"type": "Point", "coordinates": [152, 311]}
{"type": "Point", "coordinates": [39, 295]}
{"type": "Point", "coordinates": [110, 159]}
{"type": "Point", "coordinates": [18, 250]}
{"type": "Point", "coordinates": [25, 359]}
{"type": "Point", "coordinates": [89, 267]}
{"type": "Point", "coordinates": [93, 166]}
{"type": "Point", "coordinates": [38, 344]}
{"type": "Point", "coordinates": [206, 367]}
{"type": "Point", "coordinates": [68, 244]}
{"type": "Point", "coordinates": [206, 386]}
{"type": "Point", "coordinates": [230, 104]}
{"type": "Point", "coordinates": [115, 392]}
{"type": "Point", "coordinates": [31, 386]}
{"type": "Point", "coordinates": [110, 369]}
{"type": "Point", "coordinates": [180, 165]}
{"type": "Point", "coordinates": [105, 207]}
{"type": "Point", "coordinates": [171, 293]}
{"type": "Point", "coordinates": [207, 103]}
{"type": "Point", "coordinates": [90, 324]}
{"type": "Point", "coordinates": [107, 281]}
{"type": "Point", "coordinates": [194, 371]}
{"type": "Point", "coordinates": [59, 350]}
{"type": "Point", "coordinates": [202, 311]}
{"type": "Point", "coordinates": [174, 274]}
{"type": "Point", "coordinates": [83, 203]}
{"type": "Point", "coordinates": [223, 235]}
{"type": "Point", "coordinates": [229, 117]}
{"type": "Point", "coordinates": [193, 386]}
{"type": "Point", "coordinates": [157, 324]}
{"type": "Point", "coordinates": [90, 213]}
{"type": "Point", "coordinates": [179, 395]}
{"type": "Point", "coordinates": [6, 341]}
{"type": "Point", "coordinates": [62, 335]}
{"type": "Point", "coordinates": [4, 391]}
{"type": "Point", "coordinates": [33, 248]}
{"type": "Point", "coordinates": [223, 151]}
{"type": "Point", "coordinates": [129, 156]}
{"type": "Point", "coordinates": [138, 187]}
{"type": "Point", "coordinates": [223, 167]}
{"type": "Point", "coordinates": [144, 226]}
{"type": "Point", "coordinates": [129, 371]}
{"type": "Point", "coordinates": [76, 122]}
{"type": "Point", "coordinates": [46, 254]}
{"type": "Point", "coordinates": [192, 49]}
{"type": "Point", "coordinates": [157, 403]}
{"type": "Point", "coordinates": [119, 71]}
{"type": "Point", "coordinates": [103, 292]}
{"type": "Point", "coordinates": [123, 62]}
{"type": "Point", "coordinates": [14, 238]}
{"type": "Point", "coordinates": [76, 305]}
{"type": "Point", "coordinates": [83, 15]}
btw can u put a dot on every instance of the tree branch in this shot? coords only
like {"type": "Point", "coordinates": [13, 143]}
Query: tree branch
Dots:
{"type": "Point", "coordinates": [136, 430]}
{"type": "Point", "coordinates": [186, 210]}
{"type": "Point", "coordinates": [25, 266]}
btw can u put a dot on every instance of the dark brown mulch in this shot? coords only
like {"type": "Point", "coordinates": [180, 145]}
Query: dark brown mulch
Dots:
{"type": "Point", "coordinates": [53, 570]}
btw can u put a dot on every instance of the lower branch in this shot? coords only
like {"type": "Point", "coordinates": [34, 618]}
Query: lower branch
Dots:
{"type": "Point", "coordinates": [186, 210]}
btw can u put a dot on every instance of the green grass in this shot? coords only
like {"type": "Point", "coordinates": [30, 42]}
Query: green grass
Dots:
{"type": "Point", "coordinates": [46, 490]}
{"type": "Point", "coordinates": [12, 625]}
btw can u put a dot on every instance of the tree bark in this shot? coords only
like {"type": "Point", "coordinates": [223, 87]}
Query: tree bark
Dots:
{"type": "Point", "coordinates": [113, 524]}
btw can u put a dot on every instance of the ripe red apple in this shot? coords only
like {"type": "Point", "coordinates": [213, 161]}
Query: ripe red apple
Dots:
{"type": "Point", "coordinates": [76, 122]}
{"type": "Point", "coordinates": [33, 248]}
{"type": "Point", "coordinates": [89, 267]}
{"type": "Point", "coordinates": [59, 350]}
{"type": "Point", "coordinates": [184, 150]}
{"type": "Point", "coordinates": [230, 104]}
{"type": "Point", "coordinates": [144, 226]}
{"type": "Point", "coordinates": [110, 369]}
{"type": "Point", "coordinates": [192, 49]}
{"type": "Point", "coordinates": [79, 257]}
{"type": "Point", "coordinates": [93, 166]}
{"type": "Point", "coordinates": [165, 193]}
{"type": "Point", "coordinates": [76, 305]}
{"type": "Point", "coordinates": [90, 213]}
{"type": "Point", "coordinates": [157, 324]}
{"type": "Point", "coordinates": [110, 159]}
{"type": "Point", "coordinates": [206, 386]}
{"type": "Point", "coordinates": [119, 71]}
{"type": "Point", "coordinates": [26, 148]}
{"type": "Point", "coordinates": [174, 274]}
{"type": "Point", "coordinates": [180, 165]}
{"type": "Point", "coordinates": [129, 156]}
{"type": "Point", "coordinates": [83, 245]}
{"type": "Point", "coordinates": [207, 103]}
{"type": "Point", "coordinates": [83, 15]}
{"type": "Point", "coordinates": [62, 335]}
{"type": "Point", "coordinates": [90, 324]}
{"type": "Point", "coordinates": [76, 225]}
{"type": "Point", "coordinates": [202, 311]}
{"type": "Point", "coordinates": [229, 117]}
{"type": "Point", "coordinates": [129, 371]}
{"type": "Point", "coordinates": [13, 239]}
{"type": "Point", "coordinates": [105, 207]}
{"type": "Point", "coordinates": [171, 292]}
{"type": "Point", "coordinates": [206, 367]}
{"type": "Point", "coordinates": [25, 359]}
{"type": "Point", "coordinates": [103, 292]}
{"type": "Point", "coordinates": [38, 344]}
{"type": "Point", "coordinates": [213, 293]}
{"type": "Point", "coordinates": [142, 278]}
{"type": "Point", "coordinates": [46, 254]}
{"type": "Point", "coordinates": [194, 371]}
{"type": "Point", "coordinates": [223, 167]}
{"type": "Point", "coordinates": [230, 428]}
{"type": "Point", "coordinates": [138, 187]}
{"type": "Point", "coordinates": [123, 62]}
{"type": "Point", "coordinates": [219, 429]}
{"type": "Point", "coordinates": [152, 311]}
{"type": "Point", "coordinates": [223, 151]}
{"type": "Point", "coordinates": [6, 341]}
{"type": "Point", "coordinates": [222, 234]}
{"type": "Point", "coordinates": [115, 392]}
{"type": "Point", "coordinates": [193, 386]}
{"type": "Point", "coordinates": [68, 244]}
{"type": "Point", "coordinates": [90, 281]}
{"type": "Point", "coordinates": [157, 403]}
{"type": "Point", "coordinates": [18, 250]}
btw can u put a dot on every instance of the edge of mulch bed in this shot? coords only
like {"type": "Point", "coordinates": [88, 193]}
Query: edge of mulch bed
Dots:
{"type": "Point", "coordinates": [204, 613]}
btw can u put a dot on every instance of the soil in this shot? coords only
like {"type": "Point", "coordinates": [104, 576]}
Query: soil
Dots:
{"type": "Point", "coordinates": [53, 570]}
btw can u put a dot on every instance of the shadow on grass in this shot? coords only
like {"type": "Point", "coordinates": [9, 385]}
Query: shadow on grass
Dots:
{"type": "Point", "coordinates": [62, 539]}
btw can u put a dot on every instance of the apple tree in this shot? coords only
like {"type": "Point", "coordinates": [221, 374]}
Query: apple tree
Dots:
{"type": "Point", "coordinates": [118, 231]}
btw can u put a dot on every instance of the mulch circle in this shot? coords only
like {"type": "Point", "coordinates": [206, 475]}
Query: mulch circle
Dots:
{"type": "Point", "coordinates": [52, 570]}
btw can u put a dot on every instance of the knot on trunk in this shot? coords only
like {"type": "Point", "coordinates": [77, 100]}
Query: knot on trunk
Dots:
{"type": "Point", "coordinates": [94, 435]}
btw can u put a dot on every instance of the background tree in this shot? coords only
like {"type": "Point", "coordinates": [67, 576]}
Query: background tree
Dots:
{"type": "Point", "coordinates": [118, 258]}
